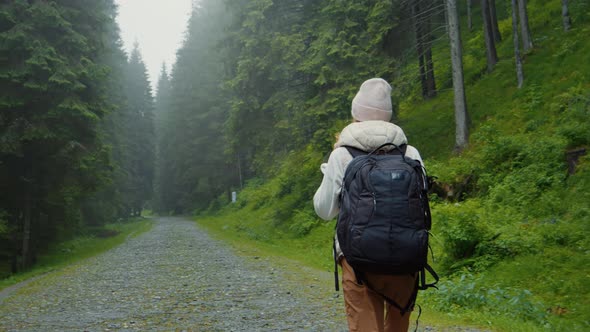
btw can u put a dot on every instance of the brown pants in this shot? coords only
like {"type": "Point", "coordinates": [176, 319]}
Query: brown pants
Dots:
{"type": "Point", "coordinates": [367, 311]}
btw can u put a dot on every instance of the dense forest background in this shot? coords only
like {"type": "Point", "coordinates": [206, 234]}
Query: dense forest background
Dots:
{"type": "Point", "coordinates": [500, 110]}
{"type": "Point", "coordinates": [77, 135]}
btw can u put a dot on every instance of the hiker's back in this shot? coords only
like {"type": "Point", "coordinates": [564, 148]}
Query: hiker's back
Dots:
{"type": "Point", "coordinates": [379, 205]}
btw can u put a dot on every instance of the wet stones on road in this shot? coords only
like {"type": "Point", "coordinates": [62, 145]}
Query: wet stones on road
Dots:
{"type": "Point", "coordinates": [172, 278]}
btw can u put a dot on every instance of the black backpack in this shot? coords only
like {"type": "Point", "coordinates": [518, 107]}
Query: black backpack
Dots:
{"type": "Point", "coordinates": [384, 219]}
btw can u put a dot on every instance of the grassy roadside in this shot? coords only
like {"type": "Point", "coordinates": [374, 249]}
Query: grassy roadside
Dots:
{"type": "Point", "coordinates": [517, 294]}
{"type": "Point", "coordinates": [313, 251]}
{"type": "Point", "coordinates": [248, 231]}
{"type": "Point", "coordinates": [82, 247]}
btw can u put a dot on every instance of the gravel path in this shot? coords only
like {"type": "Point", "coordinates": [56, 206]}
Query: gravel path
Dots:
{"type": "Point", "coordinates": [176, 278]}
{"type": "Point", "coordinates": [173, 278]}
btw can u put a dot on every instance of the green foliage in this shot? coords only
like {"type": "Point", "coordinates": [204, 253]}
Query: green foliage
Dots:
{"type": "Point", "coordinates": [475, 237]}
{"type": "Point", "coordinates": [292, 211]}
{"type": "Point", "coordinates": [463, 231]}
{"type": "Point", "coordinates": [297, 67]}
{"type": "Point", "coordinates": [574, 117]}
{"type": "Point", "coordinates": [303, 221]}
{"type": "Point", "coordinates": [255, 194]}
{"type": "Point", "coordinates": [472, 292]}
{"type": "Point", "coordinates": [580, 11]}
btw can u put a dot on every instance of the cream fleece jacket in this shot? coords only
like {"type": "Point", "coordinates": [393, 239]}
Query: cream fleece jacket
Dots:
{"type": "Point", "coordinates": [366, 136]}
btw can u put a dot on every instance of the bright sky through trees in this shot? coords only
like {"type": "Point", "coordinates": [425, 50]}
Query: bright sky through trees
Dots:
{"type": "Point", "coordinates": [158, 26]}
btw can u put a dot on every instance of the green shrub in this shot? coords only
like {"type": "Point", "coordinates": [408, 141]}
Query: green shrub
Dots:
{"type": "Point", "coordinates": [472, 292]}
{"type": "Point", "coordinates": [303, 221]}
{"type": "Point", "coordinates": [255, 193]}
{"type": "Point", "coordinates": [476, 235]}
{"type": "Point", "coordinates": [222, 201]}
{"type": "Point", "coordinates": [461, 229]}
{"type": "Point", "coordinates": [574, 120]}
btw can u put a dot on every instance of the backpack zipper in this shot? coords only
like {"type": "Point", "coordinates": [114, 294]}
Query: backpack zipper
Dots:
{"type": "Point", "coordinates": [374, 203]}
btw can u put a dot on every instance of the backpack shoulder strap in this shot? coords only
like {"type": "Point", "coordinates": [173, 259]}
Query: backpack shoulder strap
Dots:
{"type": "Point", "coordinates": [353, 166]}
{"type": "Point", "coordinates": [402, 148]}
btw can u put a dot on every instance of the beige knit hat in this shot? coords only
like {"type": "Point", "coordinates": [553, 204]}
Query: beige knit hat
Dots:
{"type": "Point", "coordinates": [373, 101]}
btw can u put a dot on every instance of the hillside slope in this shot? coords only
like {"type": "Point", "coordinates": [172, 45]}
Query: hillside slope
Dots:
{"type": "Point", "coordinates": [511, 239]}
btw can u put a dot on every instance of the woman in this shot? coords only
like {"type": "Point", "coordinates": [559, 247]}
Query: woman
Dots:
{"type": "Point", "coordinates": [365, 309]}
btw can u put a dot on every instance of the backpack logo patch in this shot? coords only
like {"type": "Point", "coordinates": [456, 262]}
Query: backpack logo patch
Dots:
{"type": "Point", "coordinates": [397, 176]}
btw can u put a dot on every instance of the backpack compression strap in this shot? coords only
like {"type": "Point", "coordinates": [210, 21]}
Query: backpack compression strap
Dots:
{"type": "Point", "coordinates": [335, 264]}
{"type": "Point", "coordinates": [423, 285]}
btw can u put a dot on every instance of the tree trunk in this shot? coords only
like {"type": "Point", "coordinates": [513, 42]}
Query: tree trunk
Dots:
{"type": "Point", "coordinates": [469, 17]}
{"type": "Point", "coordinates": [565, 13]}
{"type": "Point", "coordinates": [430, 81]}
{"type": "Point", "coordinates": [519, 73]}
{"type": "Point", "coordinates": [494, 19]}
{"type": "Point", "coordinates": [525, 32]}
{"type": "Point", "coordinates": [461, 114]}
{"type": "Point", "coordinates": [420, 48]}
{"type": "Point", "coordinates": [424, 50]}
{"type": "Point", "coordinates": [240, 172]}
{"type": "Point", "coordinates": [422, 72]}
{"type": "Point", "coordinates": [27, 216]}
{"type": "Point", "coordinates": [492, 56]}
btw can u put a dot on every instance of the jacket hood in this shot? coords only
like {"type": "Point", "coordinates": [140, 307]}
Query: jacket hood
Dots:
{"type": "Point", "coordinates": [369, 135]}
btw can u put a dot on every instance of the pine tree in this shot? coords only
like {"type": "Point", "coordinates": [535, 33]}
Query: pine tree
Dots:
{"type": "Point", "coordinates": [105, 205]}
{"type": "Point", "coordinates": [138, 137]}
{"type": "Point", "coordinates": [163, 131]}
{"type": "Point", "coordinates": [53, 101]}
